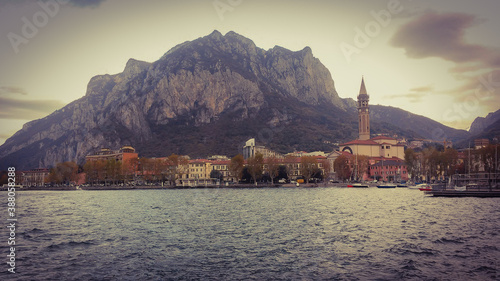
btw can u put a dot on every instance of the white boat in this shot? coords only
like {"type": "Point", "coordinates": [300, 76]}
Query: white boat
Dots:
{"type": "Point", "coordinates": [388, 185]}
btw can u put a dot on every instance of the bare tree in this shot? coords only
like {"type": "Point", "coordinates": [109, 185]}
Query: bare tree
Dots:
{"type": "Point", "coordinates": [255, 165]}
{"type": "Point", "coordinates": [272, 167]}
{"type": "Point", "coordinates": [308, 166]}
{"type": "Point", "coordinates": [236, 166]}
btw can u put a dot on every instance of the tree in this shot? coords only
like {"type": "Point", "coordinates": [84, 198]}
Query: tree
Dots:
{"type": "Point", "coordinates": [411, 161]}
{"type": "Point", "coordinates": [282, 172]}
{"type": "Point", "coordinates": [308, 166]}
{"type": "Point", "coordinates": [63, 173]}
{"type": "Point", "coordinates": [113, 170]}
{"type": "Point", "coordinates": [216, 174]}
{"type": "Point", "coordinates": [130, 168]}
{"type": "Point", "coordinates": [342, 167]}
{"type": "Point", "coordinates": [449, 161]}
{"type": "Point", "coordinates": [486, 155]}
{"type": "Point", "coordinates": [236, 166]}
{"type": "Point", "coordinates": [177, 167]}
{"type": "Point", "coordinates": [362, 163]}
{"type": "Point", "coordinates": [272, 167]}
{"type": "Point", "coordinates": [326, 167]}
{"type": "Point", "coordinates": [255, 165]}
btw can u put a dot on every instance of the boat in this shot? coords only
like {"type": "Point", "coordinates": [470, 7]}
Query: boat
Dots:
{"type": "Point", "coordinates": [388, 185]}
{"type": "Point", "coordinates": [357, 185]}
{"type": "Point", "coordinates": [424, 187]}
{"type": "Point", "coordinates": [402, 185]}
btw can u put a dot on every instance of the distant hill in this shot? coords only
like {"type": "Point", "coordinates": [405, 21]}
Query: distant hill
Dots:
{"type": "Point", "coordinates": [208, 96]}
{"type": "Point", "coordinates": [420, 125]}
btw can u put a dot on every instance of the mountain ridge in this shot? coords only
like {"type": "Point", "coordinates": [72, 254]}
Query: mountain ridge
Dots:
{"type": "Point", "coordinates": [201, 97]}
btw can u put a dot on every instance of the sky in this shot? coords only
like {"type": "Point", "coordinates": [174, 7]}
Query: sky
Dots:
{"type": "Point", "coordinates": [439, 59]}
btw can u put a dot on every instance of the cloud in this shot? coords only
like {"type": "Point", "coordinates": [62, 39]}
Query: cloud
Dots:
{"type": "Point", "coordinates": [476, 69]}
{"type": "Point", "coordinates": [12, 90]}
{"type": "Point", "coordinates": [86, 3]}
{"type": "Point", "coordinates": [425, 89]}
{"type": "Point", "coordinates": [415, 95]}
{"type": "Point", "coordinates": [13, 108]}
{"type": "Point", "coordinates": [75, 3]}
{"type": "Point", "coordinates": [442, 35]}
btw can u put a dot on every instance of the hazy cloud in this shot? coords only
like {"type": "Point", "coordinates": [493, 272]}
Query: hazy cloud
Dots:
{"type": "Point", "coordinates": [86, 3]}
{"type": "Point", "coordinates": [424, 89]}
{"type": "Point", "coordinates": [75, 3]}
{"type": "Point", "coordinates": [442, 35]}
{"type": "Point", "coordinates": [415, 94]}
{"type": "Point", "coordinates": [13, 108]}
{"type": "Point", "coordinates": [12, 90]}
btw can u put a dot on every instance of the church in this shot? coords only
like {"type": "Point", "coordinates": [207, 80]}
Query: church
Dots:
{"type": "Point", "coordinates": [380, 146]}
{"type": "Point", "coordinates": [382, 149]}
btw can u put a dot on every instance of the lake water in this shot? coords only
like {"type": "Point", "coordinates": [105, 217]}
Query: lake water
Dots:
{"type": "Point", "coordinates": [253, 234]}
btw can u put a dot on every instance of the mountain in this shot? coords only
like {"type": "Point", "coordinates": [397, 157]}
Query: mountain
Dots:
{"type": "Point", "coordinates": [483, 128]}
{"type": "Point", "coordinates": [205, 96]}
{"type": "Point", "coordinates": [420, 125]}
{"type": "Point", "coordinates": [481, 123]}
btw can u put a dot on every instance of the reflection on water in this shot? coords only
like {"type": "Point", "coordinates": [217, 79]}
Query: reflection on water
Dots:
{"type": "Point", "coordinates": [245, 234]}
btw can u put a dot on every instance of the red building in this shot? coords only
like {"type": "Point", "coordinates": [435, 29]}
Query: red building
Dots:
{"type": "Point", "coordinates": [389, 170]}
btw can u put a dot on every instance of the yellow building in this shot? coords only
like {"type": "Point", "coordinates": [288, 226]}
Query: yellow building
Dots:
{"type": "Point", "coordinates": [380, 146]}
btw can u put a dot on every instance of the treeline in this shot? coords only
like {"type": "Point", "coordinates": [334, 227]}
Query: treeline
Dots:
{"type": "Point", "coordinates": [432, 163]}
{"type": "Point", "coordinates": [172, 169]}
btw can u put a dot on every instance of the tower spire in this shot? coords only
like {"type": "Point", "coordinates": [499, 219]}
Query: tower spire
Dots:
{"type": "Point", "coordinates": [362, 90]}
{"type": "Point", "coordinates": [363, 112]}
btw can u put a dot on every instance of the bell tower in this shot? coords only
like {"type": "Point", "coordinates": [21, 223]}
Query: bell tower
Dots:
{"type": "Point", "coordinates": [363, 113]}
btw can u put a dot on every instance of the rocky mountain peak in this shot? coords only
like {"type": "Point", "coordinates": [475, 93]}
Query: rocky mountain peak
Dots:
{"type": "Point", "coordinates": [134, 67]}
{"type": "Point", "coordinates": [202, 96]}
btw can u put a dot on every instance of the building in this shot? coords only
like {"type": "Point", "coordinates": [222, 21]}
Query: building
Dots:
{"type": "Point", "coordinates": [380, 146]}
{"type": "Point", "coordinates": [294, 166]}
{"type": "Point", "coordinates": [480, 143]}
{"type": "Point", "coordinates": [389, 170]}
{"type": "Point", "coordinates": [123, 154]}
{"type": "Point", "coordinates": [35, 177]}
{"type": "Point", "coordinates": [223, 167]}
{"type": "Point", "coordinates": [198, 172]}
{"type": "Point", "coordinates": [250, 149]}
{"type": "Point", "coordinates": [126, 155]}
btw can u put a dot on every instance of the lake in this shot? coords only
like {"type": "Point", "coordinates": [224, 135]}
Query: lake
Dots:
{"type": "Point", "coordinates": [253, 234]}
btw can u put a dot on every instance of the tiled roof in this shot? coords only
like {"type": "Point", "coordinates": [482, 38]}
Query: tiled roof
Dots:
{"type": "Point", "coordinates": [382, 138]}
{"type": "Point", "coordinates": [360, 142]}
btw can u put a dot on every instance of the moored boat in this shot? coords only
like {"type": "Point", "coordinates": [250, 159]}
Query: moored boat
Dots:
{"type": "Point", "coordinates": [424, 187]}
{"type": "Point", "coordinates": [388, 185]}
{"type": "Point", "coordinates": [357, 185]}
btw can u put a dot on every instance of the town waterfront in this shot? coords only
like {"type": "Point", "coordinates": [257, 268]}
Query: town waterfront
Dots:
{"type": "Point", "coordinates": [254, 234]}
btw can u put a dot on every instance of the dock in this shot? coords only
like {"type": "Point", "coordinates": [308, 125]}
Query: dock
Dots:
{"type": "Point", "coordinates": [471, 185]}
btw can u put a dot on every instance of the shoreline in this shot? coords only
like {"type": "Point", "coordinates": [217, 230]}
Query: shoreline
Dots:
{"type": "Point", "coordinates": [158, 187]}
